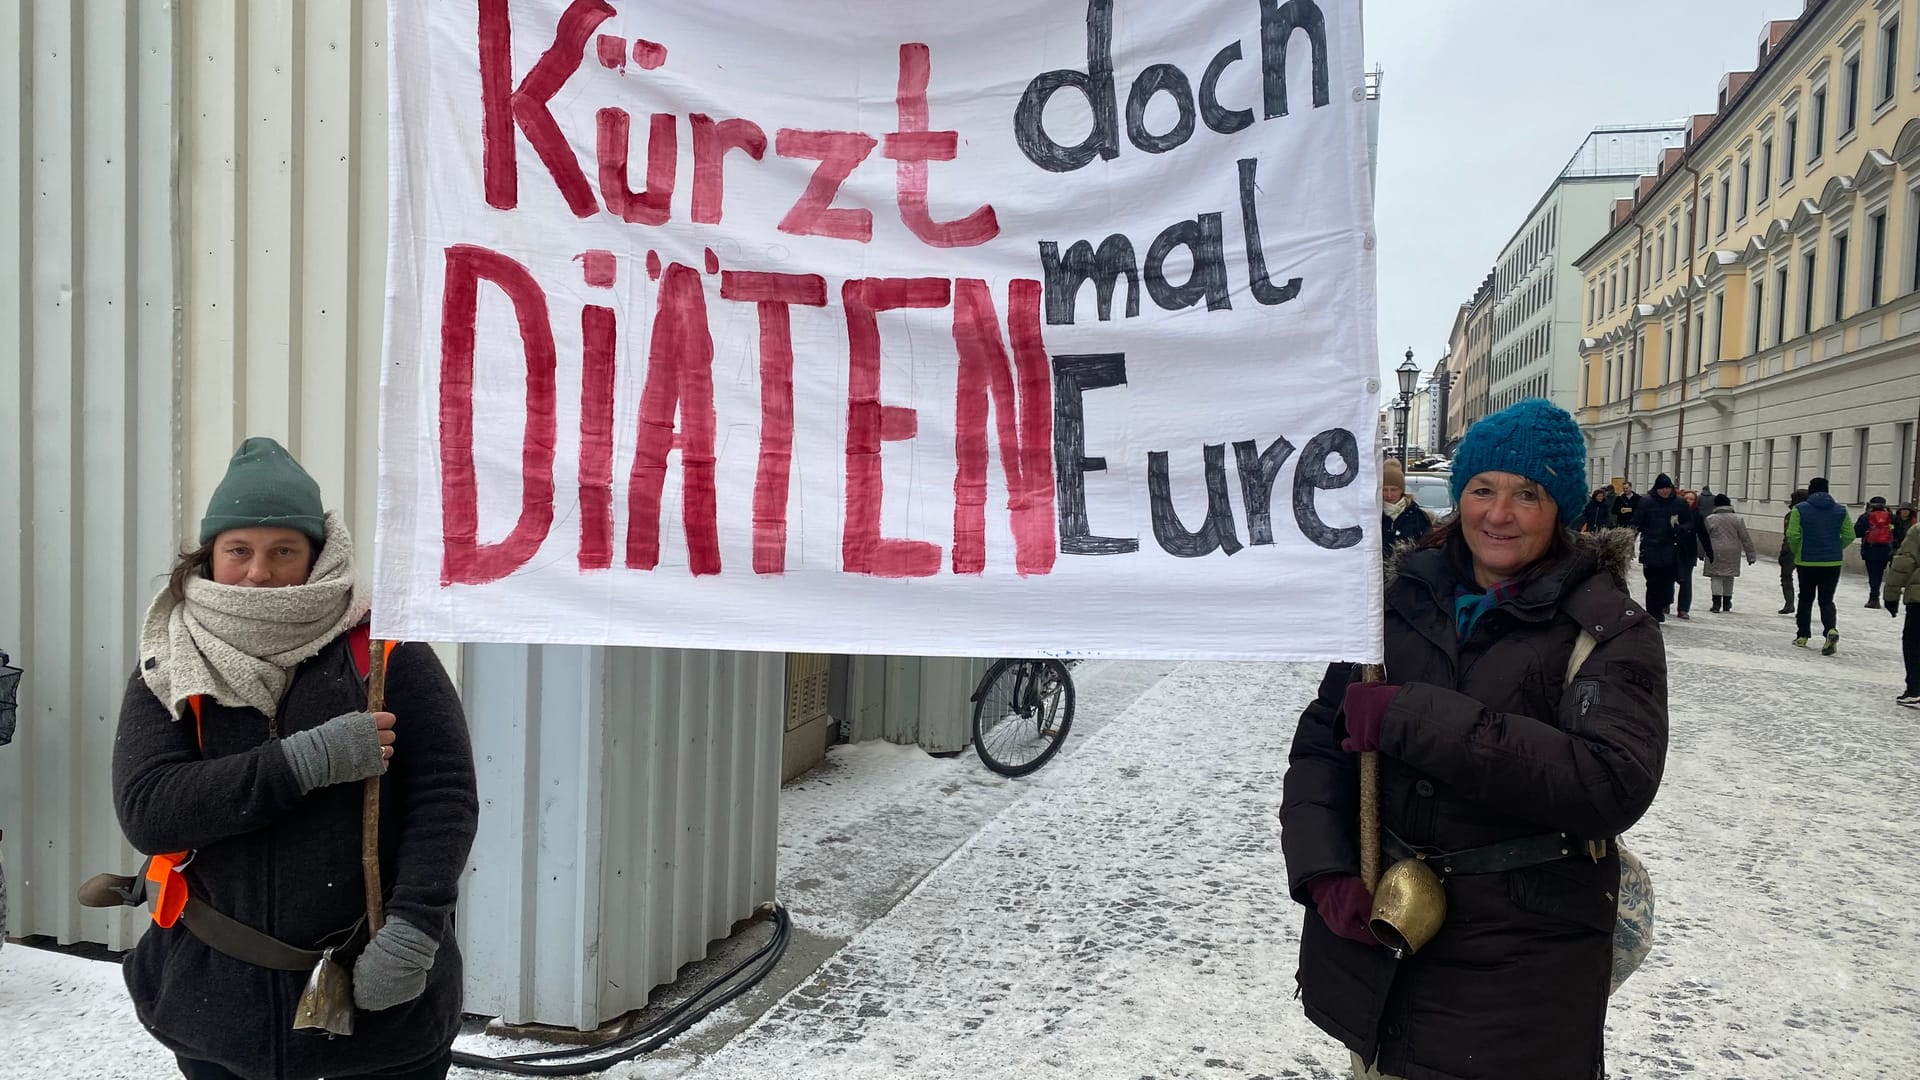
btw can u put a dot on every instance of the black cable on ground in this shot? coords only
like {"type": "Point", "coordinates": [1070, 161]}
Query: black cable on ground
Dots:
{"type": "Point", "coordinates": [658, 1031]}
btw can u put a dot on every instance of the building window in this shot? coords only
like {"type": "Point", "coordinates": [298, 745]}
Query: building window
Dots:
{"type": "Point", "coordinates": [1759, 305]}
{"type": "Point", "coordinates": [1719, 327]}
{"type": "Point", "coordinates": [1787, 149]}
{"type": "Point", "coordinates": [1808, 266]}
{"type": "Point", "coordinates": [1850, 96]}
{"type": "Point", "coordinates": [1860, 466]}
{"type": "Point", "coordinates": [1903, 450]}
{"type": "Point", "coordinates": [1913, 238]}
{"type": "Point", "coordinates": [1877, 253]}
{"type": "Point", "coordinates": [1766, 473]}
{"type": "Point", "coordinates": [1780, 304]}
{"type": "Point", "coordinates": [1889, 60]}
{"type": "Point", "coordinates": [1826, 454]}
{"type": "Point", "coordinates": [1840, 245]}
{"type": "Point", "coordinates": [1667, 365]}
{"type": "Point", "coordinates": [1726, 200]}
{"type": "Point", "coordinates": [1699, 339]}
{"type": "Point", "coordinates": [1673, 243]}
{"type": "Point", "coordinates": [1816, 127]}
{"type": "Point", "coordinates": [1793, 467]}
{"type": "Point", "coordinates": [1746, 189]}
{"type": "Point", "coordinates": [1766, 171]}
{"type": "Point", "coordinates": [1706, 215]}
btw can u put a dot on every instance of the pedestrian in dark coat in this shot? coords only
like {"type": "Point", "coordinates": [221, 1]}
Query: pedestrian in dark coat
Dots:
{"type": "Point", "coordinates": [1729, 541]}
{"type": "Point", "coordinates": [1787, 574]}
{"type": "Point", "coordinates": [262, 784]}
{"type": "Point", "coordinates": [1879, 534]}
{"type": "Point", "coordinates": [1689, 544]}
{"type": "Point", "coordinates": [1663, 520]}
{"type": "Point", "coordinates": [1598, 513]}
{"type": "Point", "coordinates": [1401, 518]}
{"type": "Point", "coordinates": [1483, 740]}
{"type": "Point", "coordinates": [1625, 505]}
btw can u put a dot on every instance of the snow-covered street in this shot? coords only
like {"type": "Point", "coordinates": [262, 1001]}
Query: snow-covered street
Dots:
{"type": "Point", "coordinates": [1123, 912]}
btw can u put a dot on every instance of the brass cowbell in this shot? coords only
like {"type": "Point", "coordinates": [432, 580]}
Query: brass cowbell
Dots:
{"type": "Point", "coordinates": [1409, 907]}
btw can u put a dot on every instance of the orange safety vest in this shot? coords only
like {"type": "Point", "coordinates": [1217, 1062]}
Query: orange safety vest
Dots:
{"type": "Point", "coordinates": [166, 885]}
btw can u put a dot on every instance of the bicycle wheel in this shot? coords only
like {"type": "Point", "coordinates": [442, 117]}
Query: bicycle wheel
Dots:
{"type": "Point", "coordinates": [1022, 714]}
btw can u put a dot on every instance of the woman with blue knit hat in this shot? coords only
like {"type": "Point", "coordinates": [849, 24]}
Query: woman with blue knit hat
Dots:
{"type": "Point", "coordinates": [244, 739]}
{"type": "Point", "coordinates": [1521, 728]}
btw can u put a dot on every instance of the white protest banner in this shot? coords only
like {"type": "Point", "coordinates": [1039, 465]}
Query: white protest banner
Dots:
{"type": "Point", "coordinates": [995, 328]}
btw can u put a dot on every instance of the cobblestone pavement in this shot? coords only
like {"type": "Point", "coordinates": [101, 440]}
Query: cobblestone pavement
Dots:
{"type": "Point", "coordinates": [1127, 918]}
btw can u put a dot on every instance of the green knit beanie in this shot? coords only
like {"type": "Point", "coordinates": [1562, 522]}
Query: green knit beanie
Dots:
{"type": "Point", "coordinates": [265, 487]}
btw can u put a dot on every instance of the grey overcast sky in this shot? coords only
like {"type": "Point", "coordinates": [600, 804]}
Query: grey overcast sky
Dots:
{"type": "Point", "coordinates": [1483, 102]}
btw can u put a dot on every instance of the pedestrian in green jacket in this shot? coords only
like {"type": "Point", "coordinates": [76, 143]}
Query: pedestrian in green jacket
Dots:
{"type": "Point", "coordinates": [1819, 531]}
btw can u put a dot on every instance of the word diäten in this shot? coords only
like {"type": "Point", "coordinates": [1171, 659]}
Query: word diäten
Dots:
{"type": "Point", "coordinates": [1037, 403]}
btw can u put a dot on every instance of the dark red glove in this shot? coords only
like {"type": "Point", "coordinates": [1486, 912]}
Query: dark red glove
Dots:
{"type": "Point", "coordinates": [1344, 905]}
{"type": "Point", "coordinates": [1366, 705]}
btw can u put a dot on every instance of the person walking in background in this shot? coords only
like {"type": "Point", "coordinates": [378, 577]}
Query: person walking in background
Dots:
{"type": "Point", "coordinates": [1878, 537]}
{"type": "Point", "coordinates": [1661, 518]}
{"type": "Point", "coordinates": [1786, 551]}
{"type": "Point", "coordinates": [1903, 590]}
{"type": "Point", "coordinates": [1598, 513]}
{"type": "Point", "coordinates": [1401, 518]}
{"type": "Point", "coordinates": [1903, 521]}
{"type": "Point", "coordinates": [1727, 540]}
{"type": "Point", "coordinates": [1625, 505]}
{"type": "Point", "coordinates": [1688, 545]}
{"type": "Point", "coordinates": [1818, 531]}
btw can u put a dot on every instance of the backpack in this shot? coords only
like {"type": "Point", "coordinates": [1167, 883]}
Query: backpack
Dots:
{"type": "Point", "coordinates": [1879, 527]}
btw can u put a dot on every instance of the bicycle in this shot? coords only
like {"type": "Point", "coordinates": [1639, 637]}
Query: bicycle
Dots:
{"type": "Point", "coordinates": [1022, 711]}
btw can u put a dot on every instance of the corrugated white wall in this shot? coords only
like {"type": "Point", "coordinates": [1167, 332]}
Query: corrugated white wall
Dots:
{"type": "Point", "coordinates": [283, 217]}
{"type": "Point", "coordinates": [915, 700]}
{"type": "Point", "coordinates": [628, 828]}
{"type": "Point", "coordinates": [142, 337]}
{"type": "Point", "coordinates": [87, 333]}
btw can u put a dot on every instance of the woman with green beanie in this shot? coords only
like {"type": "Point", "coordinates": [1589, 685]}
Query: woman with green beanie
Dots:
{"type": "Point", "coordinates": [1522, 727]}
{"type": "Point", "coordinates": [244, 737]}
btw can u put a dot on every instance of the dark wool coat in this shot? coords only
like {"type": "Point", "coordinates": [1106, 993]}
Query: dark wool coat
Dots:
{"type": "Point", "coordinates": [1597, 515]}
{"type": "Point", "coordinates": [289, 865]}
{"type": "Point", "coordinates": [1624, 506]}
{"type": "Point", "coordinates": [1666, 532]}
{"type": "Point", "coordinates": [1412, 523]}
{"type": "Point", "coordinates": [1487, 743]}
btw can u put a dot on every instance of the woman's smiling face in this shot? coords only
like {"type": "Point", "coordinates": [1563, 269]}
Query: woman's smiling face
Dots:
{"type": "Point", "coordinates": [1508, 522]}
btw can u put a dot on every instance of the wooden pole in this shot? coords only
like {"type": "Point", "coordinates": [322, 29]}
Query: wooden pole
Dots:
{"type": "Point", "coordinates": [1370, 798]}
{"type": "Point", "coordinates": [370, 796]}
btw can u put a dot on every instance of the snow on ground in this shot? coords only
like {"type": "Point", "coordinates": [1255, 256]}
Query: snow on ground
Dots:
{"type": "Point", "coordinates": [62, 1016]}
{"type": "Point", "coordinates": [1122, 913]}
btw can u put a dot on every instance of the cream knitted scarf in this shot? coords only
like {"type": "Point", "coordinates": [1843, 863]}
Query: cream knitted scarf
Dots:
{"type": "Point", "coordinates": [239, 645]}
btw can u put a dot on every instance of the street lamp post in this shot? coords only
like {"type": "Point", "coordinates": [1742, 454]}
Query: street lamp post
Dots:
{"type": "Point", "coordinates": [1407, 373]}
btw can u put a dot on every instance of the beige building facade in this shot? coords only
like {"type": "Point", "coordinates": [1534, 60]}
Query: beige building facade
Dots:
{"type": "Point", "coordinates": [1752, 317]}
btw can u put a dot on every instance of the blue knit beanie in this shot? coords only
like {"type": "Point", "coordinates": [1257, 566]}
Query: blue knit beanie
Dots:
{"type": "Point", "coordinates": [1535, 439]}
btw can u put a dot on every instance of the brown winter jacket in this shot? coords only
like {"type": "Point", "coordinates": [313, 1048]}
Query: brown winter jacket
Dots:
{"type": "Point", "coordinates": [288, 864]}
{"type": "Point", "coordinates": [1487, 742]}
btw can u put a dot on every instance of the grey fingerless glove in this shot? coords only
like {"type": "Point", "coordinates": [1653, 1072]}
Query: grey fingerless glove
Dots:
{"type": "Point", "coordinates": [340, 751]}
{"type": "Point", "coordinates": [393, 968]}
